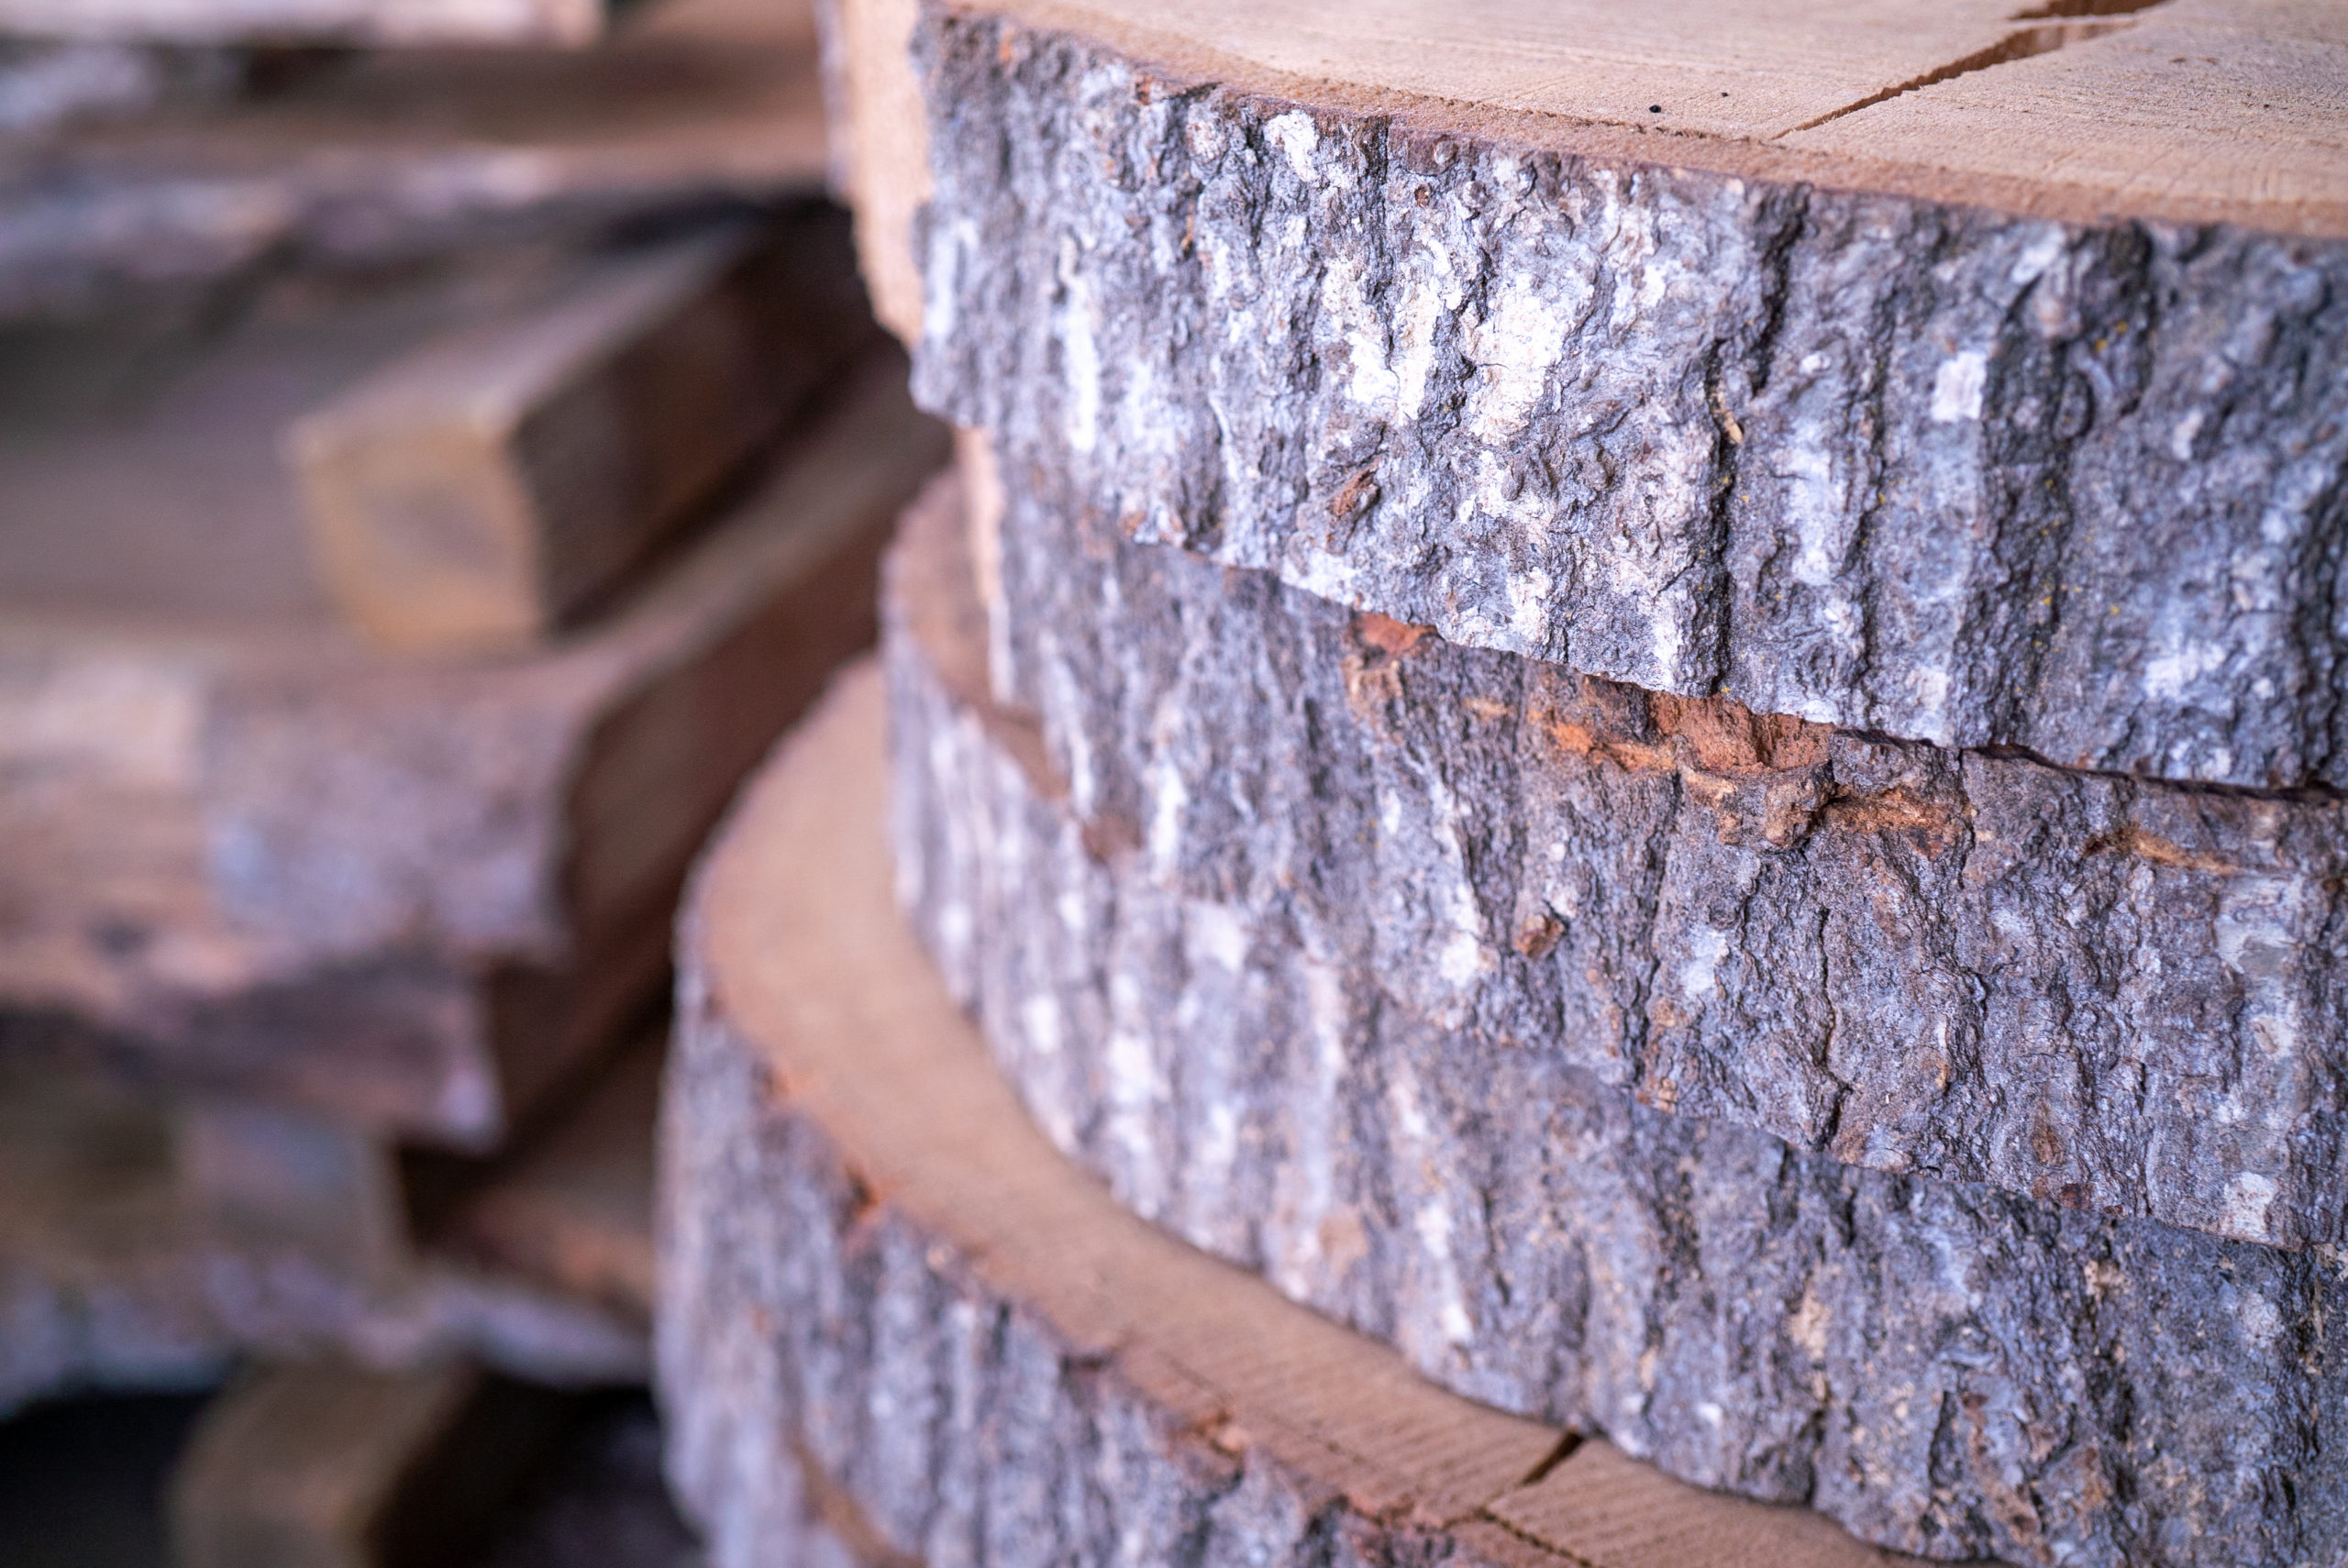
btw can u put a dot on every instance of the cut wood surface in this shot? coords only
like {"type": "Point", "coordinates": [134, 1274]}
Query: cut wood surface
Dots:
{"type": "Point", "coordinates": [364, 22]}
{"type": "Point", "coordinates": [491, 487]}
{"type": "Point", "coordinates": [873, 1261]}
{"type": "Point", "coordinates": [149, 1242]}
{"type": "Point", "coordinates": [2184, 110]}
{"type": "Point", "coordinates": [246, 852]}
{"type": "Point", "coordinates": [2125, 996]}
{"type": "Point", "coordinates": [573, 1209]}
{"type": "Point", "coordinates": [386, 156]}
{"type": "Point", "coordinates": [323, 1465]}
{"type": "Point", "coordinates": [2046, 452]}
{"type": "Point", "coordinates": [1254, 978]}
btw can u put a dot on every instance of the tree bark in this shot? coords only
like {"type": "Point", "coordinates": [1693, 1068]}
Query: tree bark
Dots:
{"type": "Point", "coordinates": [1873, 460]}
{"type": "Point", "coordinates": [1227, 965]}
{"type": "Point", "coordinates": [2119, 995]}
{"type": "Point", "coordinates": [879, 1283]}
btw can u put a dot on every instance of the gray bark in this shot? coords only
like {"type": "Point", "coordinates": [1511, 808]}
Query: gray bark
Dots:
{"type": "Point", "coordinates": [1879, 462]}
{"type": "Point", "coordinates": [814, 1335]}
{"type": "Point", "coordinates": [2121, 995]}
{"type": "Point", "coordinates": [1219, 977]}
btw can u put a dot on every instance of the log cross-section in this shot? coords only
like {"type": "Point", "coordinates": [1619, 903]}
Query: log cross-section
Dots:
{"type": "Point", "coordinates": [1974, 379]}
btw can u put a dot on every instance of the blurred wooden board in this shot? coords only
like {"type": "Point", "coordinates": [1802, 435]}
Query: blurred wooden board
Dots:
{"type": "Point", "coordinates": [369, 22]}
{"type": "Point", "coordinates": [148, 1243]}
{"type": "Point", "coordinates": [399, 154]}
{"type": "Point", "coordinates": [572, 1209]}
{"type": "Point", "coordinates": [498, 482]}
{"type": "Point", "coordinates": [324, 1464]}
{"type": "Point", "coordinates": [247, 853]}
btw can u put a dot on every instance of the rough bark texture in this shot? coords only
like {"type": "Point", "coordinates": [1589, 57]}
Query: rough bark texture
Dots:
{"type": "Point", "coordinates": [1218, 973]}
{"type": "Point", "coordinates": [874, 1268]}
{"type": "Point", "coordinates": [230, 848]}
{"type": "Point", "coordinates": [1871, 461]}
{"type": "Point", "coordinates": [807, 1327]}
{"type": "Point", "coordinates": [2121, 995]}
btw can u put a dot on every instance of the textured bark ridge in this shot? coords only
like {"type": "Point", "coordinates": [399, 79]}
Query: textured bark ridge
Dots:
{"type": "Point", "coordinates": [2114, 994]}
{"type": "Point", "coordinates": [881, 1287]}
{"type": "Point", "coordinates": [1179, 965]}
{"type": "Point", "coordinates": [1873, 460]}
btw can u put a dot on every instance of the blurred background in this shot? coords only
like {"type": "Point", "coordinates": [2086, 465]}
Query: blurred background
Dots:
{"type": "Point", "coordinates": [443, 442]}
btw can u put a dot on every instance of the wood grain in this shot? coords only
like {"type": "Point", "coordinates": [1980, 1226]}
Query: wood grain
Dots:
{"type": "Point", "coordinates": [2188, 111]}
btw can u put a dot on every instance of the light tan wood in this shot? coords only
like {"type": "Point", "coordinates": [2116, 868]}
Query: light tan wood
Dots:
{"type": "Point", "coordinates": [880, 145]}
{"type": "Point", "coordinates": [805, 953]}
{"type": "Point", "coordinates": [497, 483]}
{"type": "Point", "coordinates": [328, 1465]}
{"type": "Point", "coordinates": [370, 22]}
{"type": "Point", "coordinates": [2188, 110]}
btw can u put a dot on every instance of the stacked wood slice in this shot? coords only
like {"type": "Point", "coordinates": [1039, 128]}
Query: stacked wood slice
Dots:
{"type": "Point", "coordinates": [378, 644]}
{"type": "Point", "coordinates": [1645, 704]}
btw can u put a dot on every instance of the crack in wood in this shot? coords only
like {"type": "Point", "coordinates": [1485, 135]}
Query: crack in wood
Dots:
{"type": "Point", "coordinates": [2061, 30]}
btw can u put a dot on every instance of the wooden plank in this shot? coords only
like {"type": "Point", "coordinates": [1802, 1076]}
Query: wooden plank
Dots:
{"type": "Point", "coordinates": [495, 485]}
{"type": "Point", "coordinates": [374, 23]}
{"type": "Point", "coordinates": [203, 767]}
{"type": "Point", "coordinates": [876, 1259]}
{"type": "Point", "coordinates": [148, 1240]}
{"type": "Point", "coordinates": [573, 1209]}
{"type": "Point", "coordinates": [323, 1465]}
{"type": "Point", "coordinates": [385, 157]}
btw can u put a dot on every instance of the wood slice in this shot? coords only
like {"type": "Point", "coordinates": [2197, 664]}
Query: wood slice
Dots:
{"type": "Point", "coordinates": [1214, 916]}
{"type": "Point", "coordinates": [2119, 995]}
{"type": "Point", "coordinates": [873, 1263]}
{"type": "Point", "coordinates": [1973, 377]}
{"type": "Point", "coordinates": [368, 158]}
{"type": "Point", "coordinates": [237, 839]}
{"type": "Point", "coordinates": [400, 23]}
{"type": "Point", "coordinates": [503, 482]}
